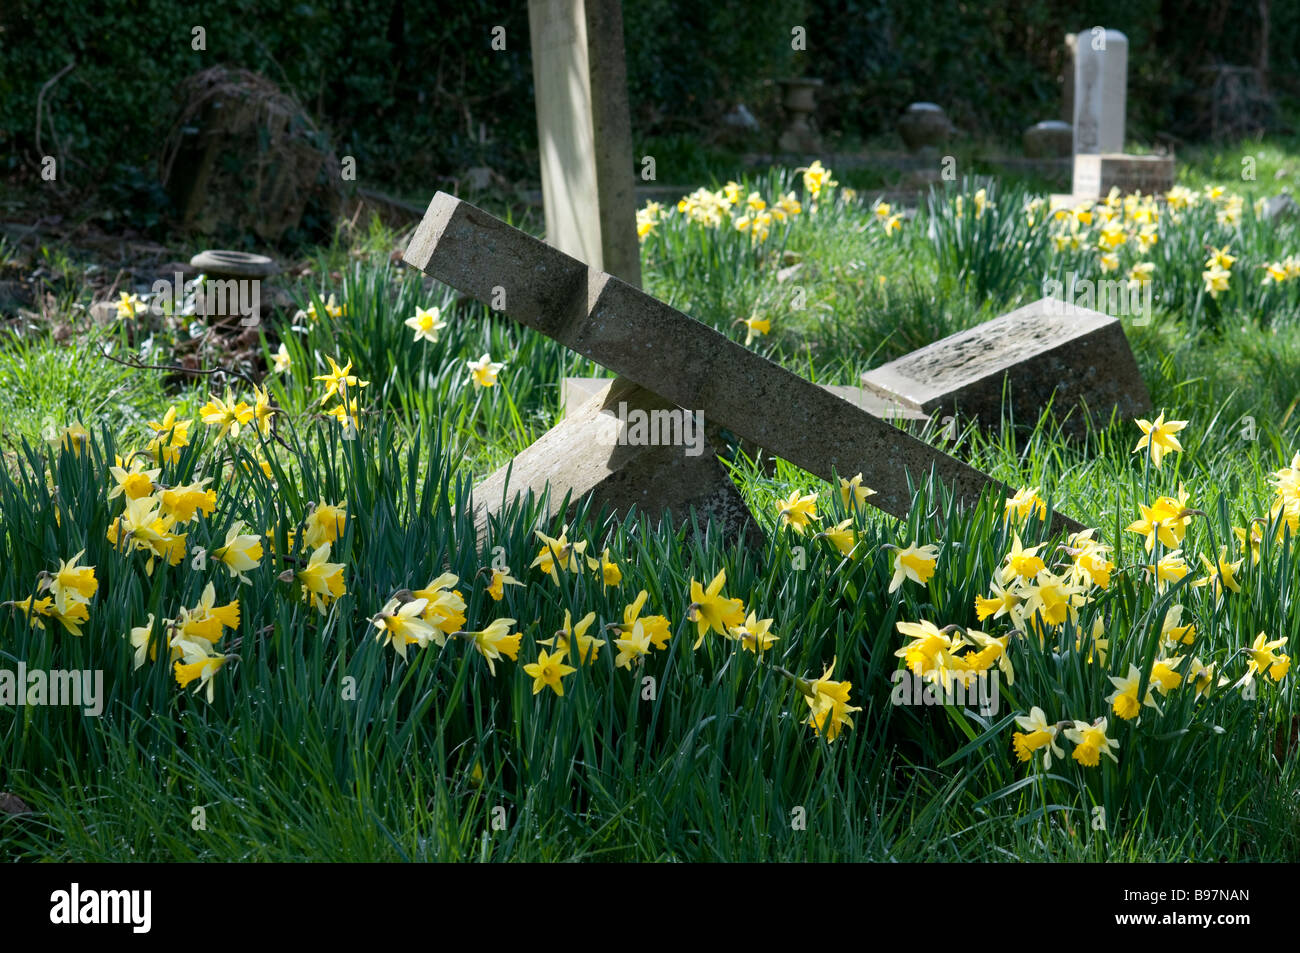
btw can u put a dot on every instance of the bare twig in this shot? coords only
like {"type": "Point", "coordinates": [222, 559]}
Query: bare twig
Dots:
{"type": "Point", "coordinates": [136, 364]}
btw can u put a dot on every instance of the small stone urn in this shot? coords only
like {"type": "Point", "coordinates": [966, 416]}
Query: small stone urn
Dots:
{"type": "Point", "coordinates": [800, 104]}
{"type": "Point", "coordinates": [232, 285]}
{"type": "Point", "coordinates": [924, 127]}
{"type": "Point", "coordinates": [1049, 139]}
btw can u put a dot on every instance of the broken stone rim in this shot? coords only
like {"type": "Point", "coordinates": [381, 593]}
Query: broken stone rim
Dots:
{"type": "Point", "coordinates": [227, 263]}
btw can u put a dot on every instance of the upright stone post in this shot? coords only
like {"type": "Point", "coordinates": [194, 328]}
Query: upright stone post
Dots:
{"type": "Point", "coordinates": [584, 133]}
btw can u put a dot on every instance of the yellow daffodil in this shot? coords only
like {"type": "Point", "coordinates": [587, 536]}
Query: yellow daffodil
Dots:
{"type": "Point", "coordinates": [656, 626]}
{"type": "Point", "coordinates": [1172, 632]}
{"type": "Point", "coordinates": [135, 482]}
{"type": "Point", "coordinates": [338, 380]}
{"type": "Point", "coordinates": [1251, 539]}
{"type": "Point", "coordinates": [322, 580]}
{"type": "Point", "coordinates": [797, 511]}
{"type": "Point", "coordinates": [1090, 742]}
{"type": "Point", "coordinates": [816, 178]}
{"type": "Point", "coordinates": [1051, 597]}
{"type": "Point", "coordinates": [283, 360]}
{"type": "Point", "coordinates": [1022, 562]}
{"type": "Point", "coordinates": [914, 562]}
{"type": "Point", "coordinates": [139, 639]}
{"type": "Point", "coordinates": [931, 652]}
{"type": "Point", "coordinates": [852, 493]}
{"type": "Point", "coordinates": [201, 668]}
{"type": "Point", "coordinates": [1216, 281]}
{"type": "Point", "coordinates": [500, 579]}
{"type": "Point", "coordinates": [485, 371]}
{"type": "Point", "coordinates": [130, 306]}
{"type": "Point", "coordinates": [70, 610]}
{"type": "Point", "coordinates": [989, 650]}
{"type": "Point", "coordinates": [71, 581]}
{"type": "Point", "coordinates": [754, 634]}
{"type": "Point", "coordinates": [1220, 258]}
{"type": "Point", "coordinates": [829, 701]}
{"type": "Point", "coordinates": [181, 503]}
{"type": "Point", "coordinates": [242, 552]}
{"type": "Point", "coordinates": [996, 605]}
{"type": "Point", "coordinates": [1169, 568]}
{"type": "Point", "coordinates": [1036, 735]}
{"type": "Point", "coordinates": [324, 524]}
{"type": "Point", "coordinates": [1159, 437]}
{"type": "Point", "coordinates": [548, 671]}
{"type": "Point", "coordinates": [842, 536]}
{"type": "Point", "coordinates": [1025, 503]}
{"type": "Point", "coordinates": [262, 410]}
{"type": "Point", "coordinates": [169, 436]}
{"type": "Point", "coordinates": [1265, 659]}
{"type": "Point", "coordinates": [1164, 675]}
{"type": "Point", "coordinates": [1221, 574]}
{"type": "Point", "coordinates": [610, 574]}
{"type": "Point", "coordinates": [558, 554]}
{"type": "Point", "coordinates": [226, 414]}
{"type": "Point", "coordinates": [634, 646]}
{"type": "Point", "coordinates": [755, 327]}
{"type": "Point", "coordinates": [786, 205]}
{"type": "Point", "coordinates": [445, 609]}
{"type": "Point", "coordinates": [400, 624]}
{"type": "Point", "coordinates": [496, 641]}
{"type": "Point", "coordinates": [588, 645]}
{"type": "Point", "coordinates": [710, 609]}
{"type": "Point", "coordinates": [1124, 701]}
{"type": "Point", "coordinates": [426, 323]}
{"type": "Point", "coordinates": [33, 609]}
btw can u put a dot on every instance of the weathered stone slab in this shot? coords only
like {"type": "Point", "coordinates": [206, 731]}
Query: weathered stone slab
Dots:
{"type": "Point", "coordinates": [576, 391]}
{"type": "Point", "coordinates": [660, 462]}
{"type": "Point", "coordinates": [1046, 351]}
{"type": "Point", "coordinates": [682, 360]}
{"type": "Point", "coordinates": [1096, 175]}
{"type": "Point", "coordinates": [584, 132]}
{"type": "Point", "coordinates": [1100, 91]}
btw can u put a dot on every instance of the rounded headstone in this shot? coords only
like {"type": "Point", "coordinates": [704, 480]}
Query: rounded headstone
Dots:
{"type": "Point", "coordinates": [1050, 139]}
{"type": "Point", "coordinates": [924, 125]}
{"type": "Point", "coordinates": [222, 263]}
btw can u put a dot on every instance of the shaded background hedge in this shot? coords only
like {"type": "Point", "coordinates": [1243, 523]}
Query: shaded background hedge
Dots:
{"type": "Point", "coordinates": [410, 88]}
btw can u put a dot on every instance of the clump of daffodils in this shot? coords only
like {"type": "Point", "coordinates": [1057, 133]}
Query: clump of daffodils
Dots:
{"type": "Point", "coordinates": [68, 590]}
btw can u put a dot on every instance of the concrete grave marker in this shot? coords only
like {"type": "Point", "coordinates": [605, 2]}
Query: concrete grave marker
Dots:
{"type": "Point", "coordinates": [584, 132]}
{"type": "Point", "coordinates": [1048, 350]}
{"type": "Point", "coordinates": [584, 139]}
{"type": "Point", "coordinates": [679, 359]}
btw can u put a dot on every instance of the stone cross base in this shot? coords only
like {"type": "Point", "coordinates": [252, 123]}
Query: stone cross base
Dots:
{"type": "Point", "coordinates": [631, 451]}
{"type": "Point", "coordinates": [1096, 175]}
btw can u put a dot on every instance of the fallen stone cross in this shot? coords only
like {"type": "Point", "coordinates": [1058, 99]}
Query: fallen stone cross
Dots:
{"type": "Point", "coordinates": [576, 391]}
{"type": "Point", "coordinates": [684, 362]}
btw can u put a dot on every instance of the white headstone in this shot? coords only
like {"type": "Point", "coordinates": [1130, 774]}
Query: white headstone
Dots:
{"type": "Point", "coordinates": [1100, 89]}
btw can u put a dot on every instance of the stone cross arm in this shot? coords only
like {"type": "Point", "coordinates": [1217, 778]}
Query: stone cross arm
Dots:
{"type": "Point", "coordinates": [681, 359]}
